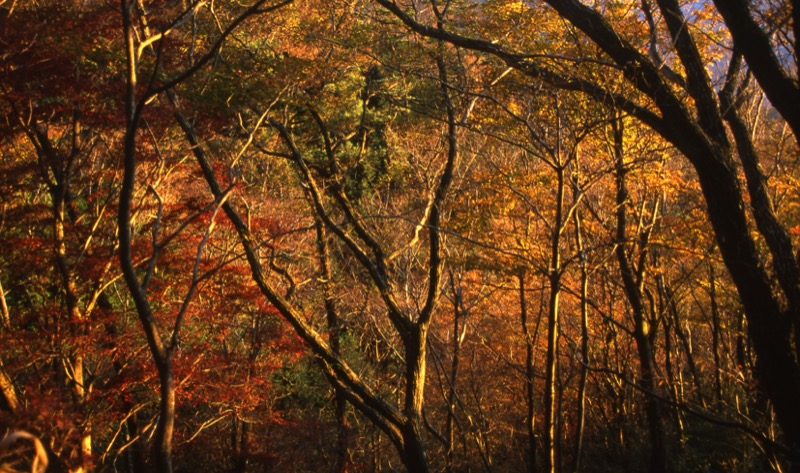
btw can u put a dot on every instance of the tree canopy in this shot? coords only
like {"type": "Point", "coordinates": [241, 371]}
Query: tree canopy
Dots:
{"type": "Point", "coordinates": [380, 235]}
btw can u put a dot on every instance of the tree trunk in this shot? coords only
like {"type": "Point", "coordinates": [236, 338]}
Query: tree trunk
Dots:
{"type": "Point", "coordinates": [633, 279]}
{"type": "Point", "coordinates": [551, 416]}
{"type": "Point", "coordinates": [459, 330]}
{"type": "Point", "coordinates": [162, 441]}
{"type": "Point", "coordinates": [695, 127]}
{"type": "Point", "coordinates": [8, 393]}
{"type": "Point", "coordinates": [162, 357]}
{"type": "Point", "coordinates": [335, 332]}
{"type": "Point", "coordinates": [9, 401]}
{"type": "Point", "coordinates": [5, 318]}
{"type": "Point", "coordinates": [530, 388]}
{"type": "Point", "coordinates": [675, 384]}
{"type": "Point", "coordinates": [413, 453]}
{"type": "Point", "coordinates": [715, 334]}
{"type": "Point", "coordinates": [551, 373]}
{"type": "Point", "coordinates": [584, 350]}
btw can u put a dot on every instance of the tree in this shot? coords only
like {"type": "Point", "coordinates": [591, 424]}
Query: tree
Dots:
{"type": "Point", "coordinates": [162, 350]}
{"type": "Point", "coordinates": [405, 426]}
{"type": "Point", "coordinates": [350, 246]}
{"type": "Point", "coordinates": [699, 129]}
{"type": "Point", "coordinates": [633, 278]}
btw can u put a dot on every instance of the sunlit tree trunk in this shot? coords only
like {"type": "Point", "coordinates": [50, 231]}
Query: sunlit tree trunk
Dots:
{"type": "Point", "coordinates": [551, 393]}
{"type": "Point", "coordinates": [9, 401]}
{"type": "Point", "coordinates": [551, 414]}
{"type": "Point", "coordinates": [5, 317]}
{"type": "Point", "coordinates": [8, 392]}
{"type": "Point", "coordinates": [584, 347]}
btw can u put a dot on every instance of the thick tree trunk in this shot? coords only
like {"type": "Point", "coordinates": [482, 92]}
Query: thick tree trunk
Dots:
{"type": "Point", "coordinates": [413, 453]}
{"type": "Point", "coordinates": [162, 441]}
{"type": "Point", "coordinates": [414, 456]}
{"type": "Point", "coordinates": [769, 327]}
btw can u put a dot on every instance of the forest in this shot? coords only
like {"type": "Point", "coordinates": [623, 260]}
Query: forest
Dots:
{"type": "Point", "coordinates": [545, 236]}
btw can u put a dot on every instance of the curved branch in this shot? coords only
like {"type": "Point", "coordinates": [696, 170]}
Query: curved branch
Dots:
{"type": "Point", "coordinates": [782, 90]}
{"type": "Point", "coordinates": [358, 392]}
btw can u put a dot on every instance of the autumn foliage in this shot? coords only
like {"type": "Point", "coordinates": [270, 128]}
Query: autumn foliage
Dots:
{"type": "Point", "coordinates": [381, 235]}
